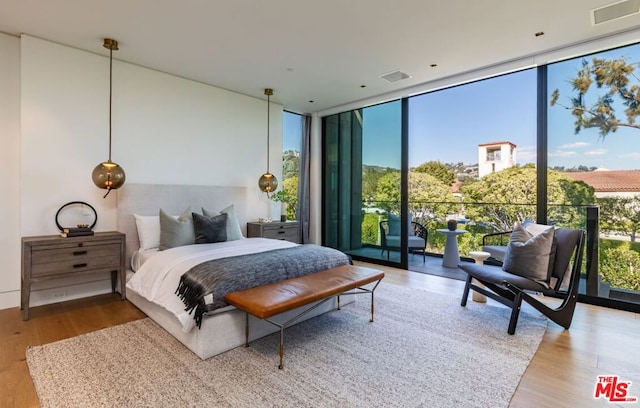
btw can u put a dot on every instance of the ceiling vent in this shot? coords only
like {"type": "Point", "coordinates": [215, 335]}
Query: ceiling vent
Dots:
{"type": "Point", "coordinates": [397, 75]}
{"type": "Point", "coordinates": [615, 11]}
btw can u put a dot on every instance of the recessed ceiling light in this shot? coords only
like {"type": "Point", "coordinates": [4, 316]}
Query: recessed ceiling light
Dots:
{"type": "Point", "coordinates": [539, 33]}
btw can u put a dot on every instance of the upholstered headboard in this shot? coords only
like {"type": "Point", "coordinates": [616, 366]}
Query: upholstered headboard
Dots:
{"type": "Point", "coordinates": [147, 199]}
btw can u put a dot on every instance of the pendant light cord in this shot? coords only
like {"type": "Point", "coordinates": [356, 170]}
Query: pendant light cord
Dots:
{"type": "Point", "coordinates": [110, 92]}
{"type": "Point", "coordinates": [268, 127]}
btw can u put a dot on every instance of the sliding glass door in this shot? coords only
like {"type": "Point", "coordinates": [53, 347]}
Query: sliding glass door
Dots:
{"type": "Point", "coordinates": [362, 183]}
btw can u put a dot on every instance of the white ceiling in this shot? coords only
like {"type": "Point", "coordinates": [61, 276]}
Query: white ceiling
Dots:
{"type": "Point", "coordinates": [321, 51]}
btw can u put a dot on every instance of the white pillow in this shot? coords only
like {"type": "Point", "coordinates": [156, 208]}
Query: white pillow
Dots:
{"type": "Point", "coordinates": [148, 231]}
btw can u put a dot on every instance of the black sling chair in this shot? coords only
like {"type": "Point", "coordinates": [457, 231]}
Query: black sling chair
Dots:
{"type": "Point", "coordinates": [511, 290]}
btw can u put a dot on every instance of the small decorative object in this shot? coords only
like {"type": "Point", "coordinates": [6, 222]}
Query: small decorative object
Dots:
{"type": "Point", "coordinates": [81, 229]}
{"type": "Point", "coordinates": [109, 175]}
{"type": "Point", "coordinates": [268, 182]}
{"type": "Point", "coordinates": [452, 225]}
{"type": "Point", "coordinates": [283, 212]}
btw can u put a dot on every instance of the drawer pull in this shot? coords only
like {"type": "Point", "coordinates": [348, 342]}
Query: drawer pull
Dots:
{"type": "Point", "coordinates": [82, 265]}
{"type": "Point", "coordinates": [281, 232]}
{"type": "Point", "coordinates": [76, 253]}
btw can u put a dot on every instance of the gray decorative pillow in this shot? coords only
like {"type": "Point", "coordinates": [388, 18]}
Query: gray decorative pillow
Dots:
{"type": "Point", "coordinates": [535, 229]}
{"type": "Point", "coordinates": [175, 232]}
{"type": "Point", "coordinates": [528, 254]}
{"type": "Point", "coordinates": [234, 232]}
{"type": "Point", "coordinates": [210, 229]}
{"type": "Point", "coordinates": [394, 225]}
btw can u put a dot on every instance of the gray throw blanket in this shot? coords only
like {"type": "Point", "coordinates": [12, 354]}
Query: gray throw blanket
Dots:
{"type": "Point", "coordinates": [221, 276]}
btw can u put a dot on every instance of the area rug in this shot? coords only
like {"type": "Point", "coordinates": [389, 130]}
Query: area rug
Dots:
{"type": "Point", "coordinates": [423, 349]}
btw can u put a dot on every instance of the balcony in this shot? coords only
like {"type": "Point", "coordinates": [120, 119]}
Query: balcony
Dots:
{"type": "Point", "coordinates": [611, 266]}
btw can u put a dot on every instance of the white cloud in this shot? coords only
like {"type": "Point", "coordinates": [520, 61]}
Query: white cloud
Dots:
{"type": "Point", "coordinates": [576, 145]}
{"type": "Point", "coordinates": [596, 152]}
{"type": "Point", "coordinates": [634, 155]}
{"type": "Point", "coordinates": [561, 154]}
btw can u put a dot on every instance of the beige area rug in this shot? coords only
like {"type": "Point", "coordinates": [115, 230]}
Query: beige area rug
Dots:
{"type": "Point", "coordinates": [422, 350]}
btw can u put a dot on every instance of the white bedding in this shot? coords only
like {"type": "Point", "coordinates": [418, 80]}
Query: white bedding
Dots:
{"type": "Point", "coordinates": [157, 279]}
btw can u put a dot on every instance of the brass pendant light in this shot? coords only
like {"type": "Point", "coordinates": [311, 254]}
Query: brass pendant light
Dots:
{"type": "Point", "coordinates": [109, 175]}
{"type": "Point", "coordinates": [268, 182]}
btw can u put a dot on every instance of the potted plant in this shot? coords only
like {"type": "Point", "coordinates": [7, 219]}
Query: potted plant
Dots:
{"type": "Point", "coordinates": [279, 196]}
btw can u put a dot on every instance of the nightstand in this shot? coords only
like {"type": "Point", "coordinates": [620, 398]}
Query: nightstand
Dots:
{"type": "Point", "coordinates": [54, 257]}
{"type": "Point", "coordinates": [287, 231]}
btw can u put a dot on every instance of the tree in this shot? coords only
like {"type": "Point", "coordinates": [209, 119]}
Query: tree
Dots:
{"type": "Point", "coordinates": [288, 194]}
{"type": "Point", "coordinates": [428, 196]}
{"type": "Point", "coordinates": [621, 215]}
{"type": "Point", "coordinates": [509, 196]}
{"type": "Point", "coordinates": [438, 170]}
{"type": "Point", "coordinates": [290, 164]}
{"type": "Point", "coordinates": [617, 76]}
{"type": "Point", "coordinates": [370, 177]}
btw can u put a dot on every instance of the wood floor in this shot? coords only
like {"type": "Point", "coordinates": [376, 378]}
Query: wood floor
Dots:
{"type": "Point", "coordinates": [563, 372]}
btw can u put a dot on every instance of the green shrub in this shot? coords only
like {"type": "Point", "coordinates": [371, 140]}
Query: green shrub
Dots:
{"type": "Point", "coordinates": [370, 228]}
{"type": "Point", "coordinates": [620, 267]}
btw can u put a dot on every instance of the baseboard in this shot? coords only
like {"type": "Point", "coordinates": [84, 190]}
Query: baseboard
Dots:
{"type": "Point", "coordinates": [9, 299]}
{"type": "Point", "coordinates": [62, 293]}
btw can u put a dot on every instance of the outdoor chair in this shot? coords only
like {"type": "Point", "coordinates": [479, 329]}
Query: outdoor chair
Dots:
{"type": "Point", "coordinates": [496, 244]}
{"type": "Point", "coordinates": [390, 237]}
{"type": "Point", "coordinates": [510, 289]}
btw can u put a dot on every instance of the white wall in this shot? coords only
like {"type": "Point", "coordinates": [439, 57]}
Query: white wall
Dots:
{"type": "Point", "coordinates": [10, 171]}
{"type": "Point", "coordinates": [166, 130]}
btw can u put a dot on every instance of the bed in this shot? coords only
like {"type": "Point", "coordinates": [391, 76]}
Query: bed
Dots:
{"type": "Point", "coordinates": [222, 329]}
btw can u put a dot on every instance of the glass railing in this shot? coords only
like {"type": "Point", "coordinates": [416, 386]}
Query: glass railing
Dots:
{"type": "Point", "coordinates": [611, 266]}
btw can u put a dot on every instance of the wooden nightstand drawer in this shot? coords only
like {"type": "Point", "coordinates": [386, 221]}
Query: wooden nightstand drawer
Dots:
{"type": "Point", "coordinates": [46, 255]}
{"type": "Point", "coordinates": [288, 234]}
{"type": "Point", "coordinates": [82, 263]}
{"type": "Point", "coordinates": [55, 257]}
{"type": "Point", "coordinates": [287, 231]}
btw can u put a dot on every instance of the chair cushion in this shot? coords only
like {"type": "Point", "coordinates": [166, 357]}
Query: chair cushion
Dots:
{"type": "Point", "coordinates": [394, 225]}
{"type": "Point", "coordinates": [495, 275]}
{"type": "Point", "coordinates": [496, 251]}
{"type": "Point", "coordinates": [414, 241]}
{"type": "Point", "coordinates": [528, 254]}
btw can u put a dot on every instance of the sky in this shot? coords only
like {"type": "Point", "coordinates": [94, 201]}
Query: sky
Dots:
{"type": "Point", "coordinates": [291, 131]}
{"type": "Point", "coordinates": [448, 125]}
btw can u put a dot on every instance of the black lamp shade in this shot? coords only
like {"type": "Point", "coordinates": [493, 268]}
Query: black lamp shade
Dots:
{"type": "Point", "coordinates": [108, 175]}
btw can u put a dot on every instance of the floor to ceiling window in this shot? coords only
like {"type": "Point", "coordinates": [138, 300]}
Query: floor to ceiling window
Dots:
{"type": "Point", "coordinates": [593, 139]}
{"type": "Point", "coordinates": [362, 181]}
{"type": "Point", "coordinates": [557, 144]}
{"type": "Point", "coordinates": [287, 194]}
{"type": "Point", "coordinates": [472, 155]}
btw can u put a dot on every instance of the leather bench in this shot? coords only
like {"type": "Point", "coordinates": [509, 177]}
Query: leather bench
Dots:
{"type": "Point", "coordinates": [272, 299]}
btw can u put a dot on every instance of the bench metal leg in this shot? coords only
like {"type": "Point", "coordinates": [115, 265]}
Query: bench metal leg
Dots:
{"type": "Point", "coordinates": [246, 330]}
{"type": "Point", "coordinates": [281, 347]}
{"type": "Point", "coordinates": [289, 322]}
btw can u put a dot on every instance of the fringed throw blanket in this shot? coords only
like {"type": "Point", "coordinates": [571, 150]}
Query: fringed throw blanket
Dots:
{"type": "Point", "coordinates": [203, 287]}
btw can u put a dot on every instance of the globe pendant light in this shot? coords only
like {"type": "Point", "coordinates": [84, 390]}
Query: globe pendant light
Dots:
{"type": "Point", "coordinates": [268, 182]}
{"type": "Point", "coordinates": [109, 175]}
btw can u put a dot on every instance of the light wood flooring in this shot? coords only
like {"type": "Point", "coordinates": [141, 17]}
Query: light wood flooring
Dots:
{"type": "Point", "coordinates": [562, 373]}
